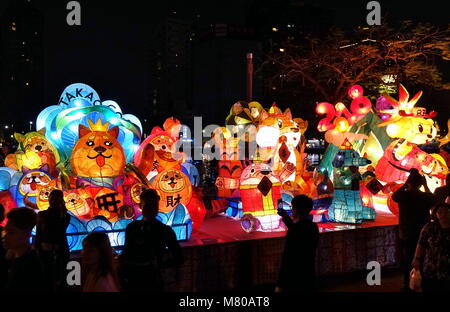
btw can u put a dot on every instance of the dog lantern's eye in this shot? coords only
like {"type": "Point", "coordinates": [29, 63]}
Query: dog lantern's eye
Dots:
{"type": "Point", "coordinates": [108, 143]}
{"type": "Point", "coordinates": [90, 143]}
{"type": "Point", "coordinates": [280, 124]}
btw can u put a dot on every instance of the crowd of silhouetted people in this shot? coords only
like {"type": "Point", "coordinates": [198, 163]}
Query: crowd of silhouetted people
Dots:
{"type": "Point", "coordinates": [41, 264]}
{"type": "Point", "coordinates": [151, 247]}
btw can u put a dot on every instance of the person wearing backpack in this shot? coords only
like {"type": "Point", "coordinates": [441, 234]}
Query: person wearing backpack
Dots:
{"type": "Point", "coordinates": [150, 247]}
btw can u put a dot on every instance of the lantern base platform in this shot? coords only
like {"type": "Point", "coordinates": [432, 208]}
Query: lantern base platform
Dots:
{"type": "Point", "coordinates": [222, 229]}
{"type": "Point", "coordinates": [221, 256]}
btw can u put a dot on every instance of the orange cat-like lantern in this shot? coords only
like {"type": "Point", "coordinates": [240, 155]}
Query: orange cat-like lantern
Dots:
{"type": "Point", "coordinates": [279, 138]}
{"type": "Point", "coordinates": [173, 187]}
{"type": "Point", "coordinates": [97, 153]}
{"type": "Point", "coordinates": [157, 152]}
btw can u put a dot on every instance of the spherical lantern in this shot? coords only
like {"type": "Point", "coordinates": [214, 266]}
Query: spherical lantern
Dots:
{"type": "Point", "coordinates": [355, 91]}
{"type": "Point", "coordinates": [173, 187]}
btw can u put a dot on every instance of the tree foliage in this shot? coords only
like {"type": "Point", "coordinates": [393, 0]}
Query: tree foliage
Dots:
{"type": "Point", "coordinates": [410, 52]}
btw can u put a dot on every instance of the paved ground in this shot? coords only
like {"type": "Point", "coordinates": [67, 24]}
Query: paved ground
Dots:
{"type": "Point", "coordinates": [391, 281]}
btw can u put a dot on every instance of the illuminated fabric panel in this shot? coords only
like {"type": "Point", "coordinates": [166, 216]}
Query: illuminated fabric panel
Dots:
{"type": "Point", "coordinates": [76, 232]}
{"type": "Point", "coordinates": [119, 231]}
{"type": "Point", "coordinates": [78, 103]}
{"type": "Point", "coordinates": [191, 171]}
{"type": "Point", "coordinates": [347, 207]}
{"type": "Point", "coordinates": [179, 220]}
{"type": "Point", "coordinates": [234, 209]}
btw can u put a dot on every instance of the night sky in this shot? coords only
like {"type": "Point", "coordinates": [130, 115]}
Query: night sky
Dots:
{"type": "Point", "coordinates": [108, 51]}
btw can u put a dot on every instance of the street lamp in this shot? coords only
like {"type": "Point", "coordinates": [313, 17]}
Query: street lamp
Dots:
{"type": "Point", "coordinates": [31, 124]}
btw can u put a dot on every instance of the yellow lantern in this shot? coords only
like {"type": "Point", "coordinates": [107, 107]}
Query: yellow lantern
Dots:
{"type": "Point", "coordinates": [173, 187]}
{"type": "Point", "coordinates": [97, 153]}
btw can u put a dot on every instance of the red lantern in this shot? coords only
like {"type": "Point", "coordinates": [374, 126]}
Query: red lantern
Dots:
{"type": "Point", "coordinates": [260, 190]}
{"type": "Point", "coordinates": [196, 209]}
{"type": "Point", "coordinates": [7, 200]}
{"type": "Point", "coordinates": [355, 91]}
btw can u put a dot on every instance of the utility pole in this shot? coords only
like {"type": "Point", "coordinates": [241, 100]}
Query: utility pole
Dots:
{"type": "Point", "coordinates": [249, 77]}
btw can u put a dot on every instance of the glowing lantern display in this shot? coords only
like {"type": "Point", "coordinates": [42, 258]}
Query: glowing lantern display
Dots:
{"type": "Point", "coordinates": [410, 126]}
{"type": "Point", "coordinates": [157, 151]}
{"type": "Point", "coordinates": [77, 202]}
{"type": "Point", "coordinates": [131, 189]}
{"type": "Point", "coordinates": [173, 187]}
{"type": "Point", "coordinates": [79, 103]}
{"type": "Point", "coordinates": [28, 185]}
{"type": "Point", "coordinates": [260, 191]}
{"type": "Point", "coordinates": [107, 202]}
{"type": "Point", "coordinates": [347, 205]}
{"type": "Point", "coordinates": [192, 172]}
{"type": "Point", "coordinates": [228, 178]}
{"type": "Point", "coordinates": [34, 152]}
{"type": "Point", "coordinates": [179, 220]}
{"type": "Point", "coordinates": [97, 153]}
{"type": "Point", "coordinates": [42, 198]}
{"type": "Point", "coordinates": [197, 210]}
{"type": "Point", "coordinates": [7, 200]}
{"type": "Point", "coordinates": [278, 138]}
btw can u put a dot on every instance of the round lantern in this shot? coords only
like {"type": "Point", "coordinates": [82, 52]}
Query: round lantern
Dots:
{"type": "Point", "coordinates": [355, 91]}
{"type": "Point", "coordinates": [173, 187]}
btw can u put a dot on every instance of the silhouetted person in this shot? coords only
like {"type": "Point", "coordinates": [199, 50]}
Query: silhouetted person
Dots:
{"type": "Point", "coordinates": [3, 263]}
{"type": "Point", "coordinates": [99, 272]}
{"type": "Point", "coordinates": [51, 240]}
{"type": "Point", "coordinates": [432, 255]}
{"type": "Point", "coordinates": [297, 272]}
{"type": "Point", "coordinates": [150, 246]}
{"type": "Point", "coordinates": [414, 212]}
{"type": "Point", "coordinates": [24, 268]}
{"type": "Point", "coordinates": [441, 193]}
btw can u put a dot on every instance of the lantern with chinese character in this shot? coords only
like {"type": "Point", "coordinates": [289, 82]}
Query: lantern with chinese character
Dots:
{"type": "Point", "coordinates": [157, 151]}
{"type": "Point", "coordinates": [173, 187]}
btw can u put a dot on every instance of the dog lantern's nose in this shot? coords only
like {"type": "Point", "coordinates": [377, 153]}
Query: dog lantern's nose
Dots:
{"type": "Point", "coordinates": [99, 149]}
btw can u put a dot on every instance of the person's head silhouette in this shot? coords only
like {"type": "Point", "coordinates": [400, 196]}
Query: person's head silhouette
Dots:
{"type": "Point", "coordinates": [18, 229]}
{"type": "Point", "coordinates": [56, 201]}
{"type": "Point", "coordinates": [149, 203]}
{"type": "Point", "coordinates": [415, 181]}
{"type": "Point", "coordinates": [301, 206]}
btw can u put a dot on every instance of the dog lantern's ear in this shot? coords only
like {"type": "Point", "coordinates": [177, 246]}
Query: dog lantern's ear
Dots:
{"type": "Point", "coordinates": [19, 137]}
{"type": "Point", "coordinates": [42, 131]}
{"type": "Point", "coordinates": [114, 131]}
{"type": "Point", "coordinates": [82, 131]}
